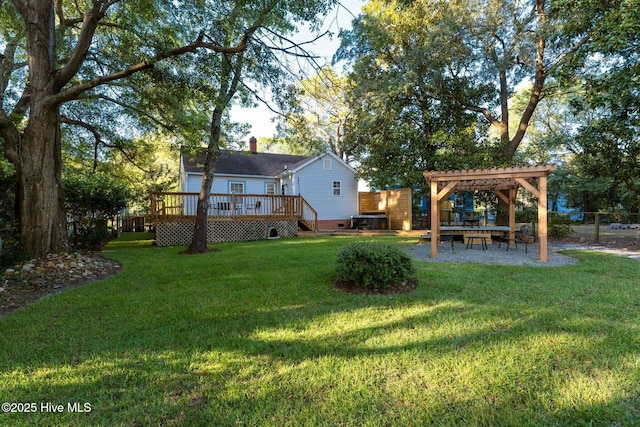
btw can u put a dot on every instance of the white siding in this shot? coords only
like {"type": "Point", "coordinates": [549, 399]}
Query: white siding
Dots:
{"type": "Point", "coordinates": [315, 184]}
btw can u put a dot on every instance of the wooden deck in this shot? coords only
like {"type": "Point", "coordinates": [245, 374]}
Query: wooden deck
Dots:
{"type": "Point", "coordinates": [171, 207]}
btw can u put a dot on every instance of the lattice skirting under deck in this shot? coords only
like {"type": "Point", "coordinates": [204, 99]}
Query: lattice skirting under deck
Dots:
{"type": "Point", "coordinates": [180, 232]}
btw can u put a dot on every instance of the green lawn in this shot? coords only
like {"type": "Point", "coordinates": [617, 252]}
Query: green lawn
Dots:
{"type": "Point", "coordinates": [255, 334]}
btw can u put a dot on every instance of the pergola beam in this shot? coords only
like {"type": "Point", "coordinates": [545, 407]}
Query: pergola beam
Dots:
{"type": "Point", "coordinates": [492, 173]}
{"type": "Point", "coordinates": [530, 188]}
{"type": "Point", "coordinates": [447, 190]}
{"type": "Point", "coordinates": [501, 196]}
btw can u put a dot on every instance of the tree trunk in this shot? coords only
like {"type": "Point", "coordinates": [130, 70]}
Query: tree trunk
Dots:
{"type": "Point", "coordinates": [36, 151]}
{"type": "Point", "coordinates": [38, 171]}
{"type": "Point", "coordinates": [198, 243]}
{"type": "Point", "coordinates": [230, 78]}
{"type": "Point", "coordinates": [538, 83]}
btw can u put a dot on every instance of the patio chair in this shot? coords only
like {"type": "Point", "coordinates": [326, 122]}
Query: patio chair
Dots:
{"type": "Point", "coordinates": [447, 237]}
{"type": "Point", "coordinates": [227, 208]}
{"type": "Point", "coordinates": [256, 207]}
{"type": "Point", "coordinates": [525, 235]}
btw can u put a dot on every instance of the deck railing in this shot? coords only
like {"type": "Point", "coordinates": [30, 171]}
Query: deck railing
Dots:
{"type": "Point", "coordinates": [183, 206]}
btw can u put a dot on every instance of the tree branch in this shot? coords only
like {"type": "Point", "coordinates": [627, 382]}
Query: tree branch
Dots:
{"type": "Point", "coordinates": [99, 141]}
{"type": "Point", "coordinates": [485, 112]}
{"type": "Point", "coordinates": [144, 113]}
{"type": "Point", "coordinates": [586, 39]}
{"type": "Point", "coordinates": [75, 91]}
{"type": "Point", "coordinates": [7, 65]}
{"type": "Point", "coordinates": [65, 21]}
{"type": "Point", "coordinates": [262, 100]}
{"type": "Point", "coordinates": [89, 24]}
{"type": "Point", "coordinates": [9, 130]}
{"type": "Point", "coordinates": [11, 136]}
{"type": "Point", "coordinates": [93, 130]}
{"type": "Point", "coordinates": [293, 46]}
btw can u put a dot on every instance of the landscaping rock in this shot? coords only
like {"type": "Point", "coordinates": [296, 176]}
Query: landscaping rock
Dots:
{"type": "Point", "coordinates": [32, 279]}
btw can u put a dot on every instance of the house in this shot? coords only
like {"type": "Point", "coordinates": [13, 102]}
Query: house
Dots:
{"type": "Point", "coordinates": [327, 183]}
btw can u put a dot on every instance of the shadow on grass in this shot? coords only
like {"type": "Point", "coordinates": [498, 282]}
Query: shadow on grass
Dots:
{"type": "Point", "coordinates": [132, 240]}
{"type": "Point", "coordinates": [469, 346]}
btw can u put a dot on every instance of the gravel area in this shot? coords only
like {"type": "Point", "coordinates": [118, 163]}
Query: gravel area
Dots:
{"type": "Point", "coordinates": [495, 255]}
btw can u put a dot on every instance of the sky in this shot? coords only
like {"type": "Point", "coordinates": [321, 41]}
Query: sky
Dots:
{"type": "Point", "coordinates": [260, 118]}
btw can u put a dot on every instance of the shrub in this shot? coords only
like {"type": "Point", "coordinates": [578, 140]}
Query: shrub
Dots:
{"type": "Point", "coordinates": [90, 201]}
{"type": "Point", "coordinates": [528, 215]}
{"type": "Point", "coordinates": [11, 251]}
{"type": "Point", "coordinates": [559, 226]}
{"type": "Point", "coordinates": [374, 266]}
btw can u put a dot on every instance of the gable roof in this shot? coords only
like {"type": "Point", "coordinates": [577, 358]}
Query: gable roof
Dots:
{"type": "Point", "coordinates": [303, 164]}
{"type": "Point", "coordinates": [244, 162]}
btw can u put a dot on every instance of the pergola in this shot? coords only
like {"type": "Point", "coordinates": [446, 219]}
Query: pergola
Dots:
{"type": "Point", "coordinates": [504, 182]}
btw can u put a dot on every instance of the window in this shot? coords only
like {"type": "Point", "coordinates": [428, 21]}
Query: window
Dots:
{"type": "Point", "coordinates": [270, 189]}
{"type": "Point", "coordinates": [236, 188]}
{"type": "Point", "coordinates": [336, 188]}
{"type": "Point", "coordinates": [327, 164]}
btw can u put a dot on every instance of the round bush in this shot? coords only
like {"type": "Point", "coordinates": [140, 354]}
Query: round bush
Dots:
{"type": "Point", "coordinates": [373, 265]}
{"type": "Point", "coordinates": [559, 227]}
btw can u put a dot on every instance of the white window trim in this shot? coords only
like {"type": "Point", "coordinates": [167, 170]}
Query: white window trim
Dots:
{"type": "Point", "coordinates": [236, 199]}
{"type": "Point", "coordinates": [242, 183]}
{"type": "Point", "coordinates": [339, 188]}
{"type": "Point", "coordinates": [270, 184]}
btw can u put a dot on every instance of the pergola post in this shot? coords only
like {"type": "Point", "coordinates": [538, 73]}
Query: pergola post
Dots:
{"type": "Point", "coordinates": [542, 218]}
{"type": "Point", "coordinates": [512, 216]}
{"type": "Point", "coordinates": [435, 220]}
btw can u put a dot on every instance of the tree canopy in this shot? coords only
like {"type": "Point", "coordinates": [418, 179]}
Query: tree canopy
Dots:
{"type": "Point", "coordinates": [318, 113]}
{"type": "Point", "coordinates": [594, 122]}
{"type": "Point", "coordinates": [113, 70]}
{"type": "Point", "coordinates": [431, 85]}
{"type": "Point", "coordinates": [434, 81]}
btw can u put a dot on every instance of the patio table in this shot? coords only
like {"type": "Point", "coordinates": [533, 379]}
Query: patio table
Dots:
{"type": "Point", "coordinates": [482, 239]}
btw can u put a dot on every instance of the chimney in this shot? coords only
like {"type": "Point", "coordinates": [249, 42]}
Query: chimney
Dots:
{"type": "Point", "coordinates": [253, 145]}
